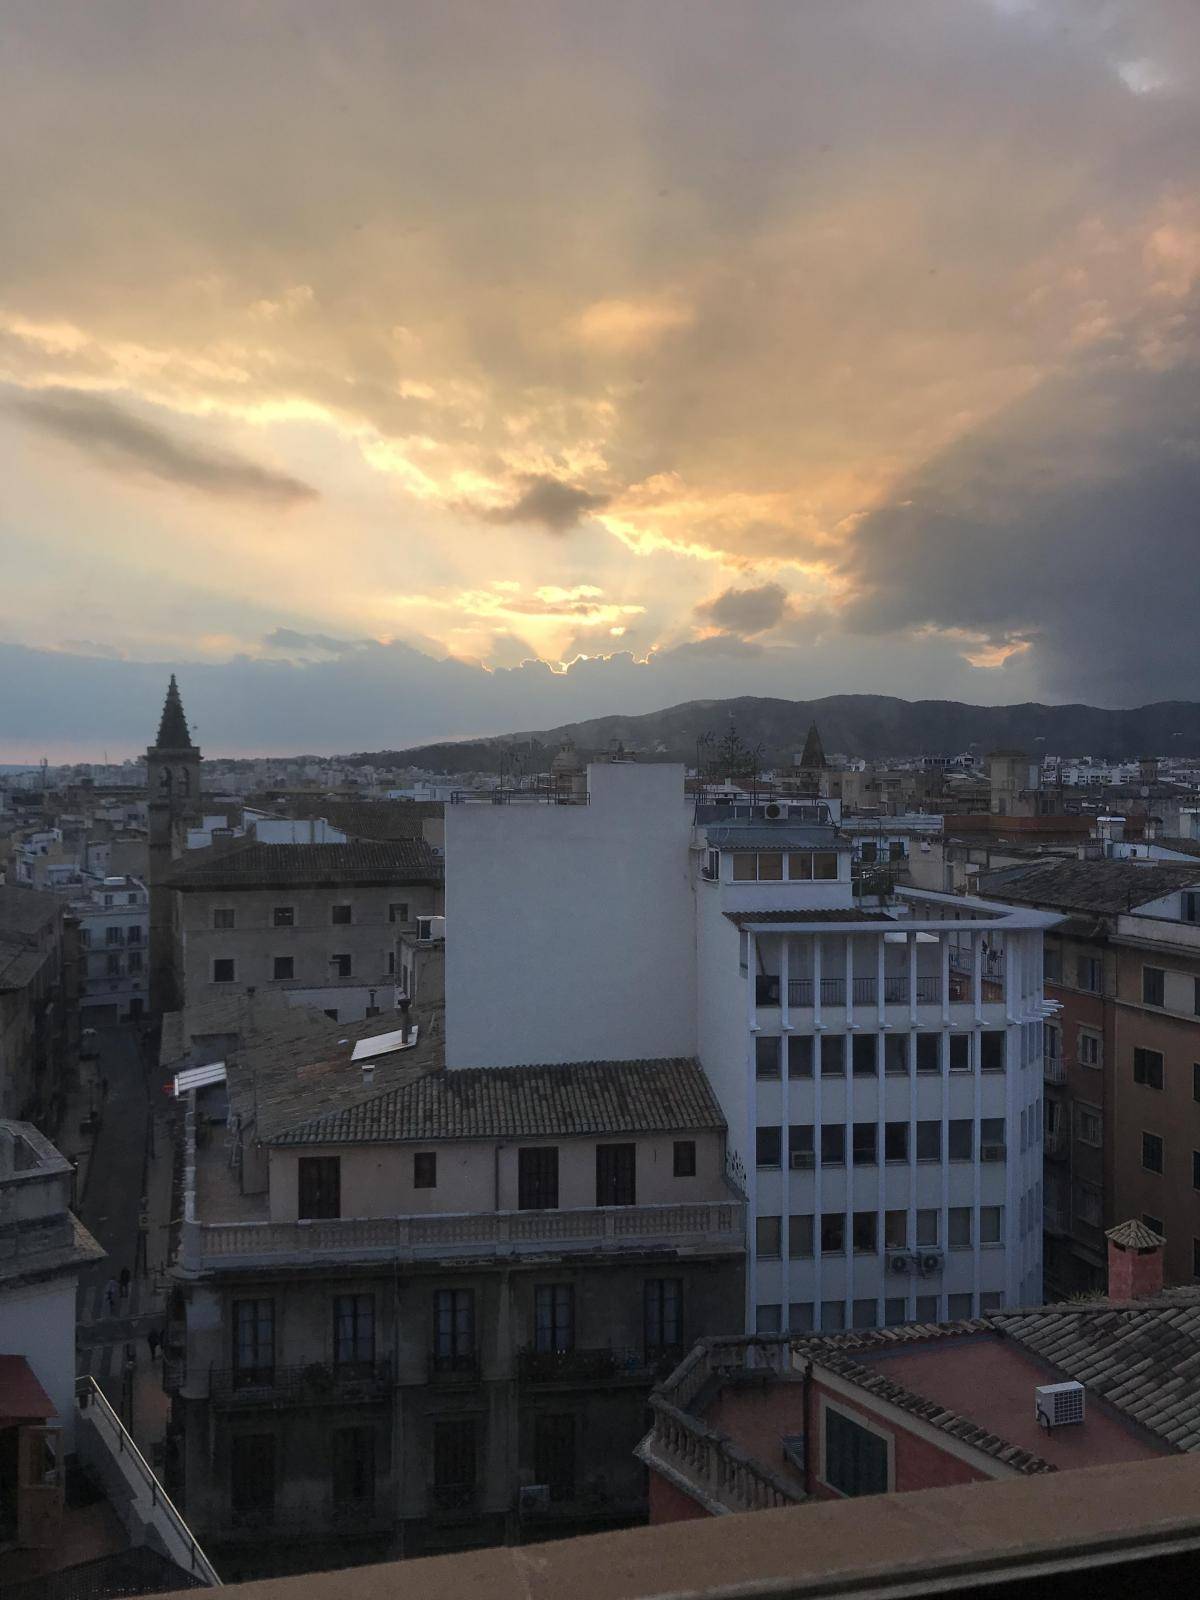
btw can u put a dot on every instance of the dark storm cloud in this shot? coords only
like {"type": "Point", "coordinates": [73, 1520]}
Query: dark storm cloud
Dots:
{"type": "Point", "coordinates": [746, 611]}
{"type": "Point", "coordinates": [547, 503]}
{"type": "Point", "coordinates": [121, 442]}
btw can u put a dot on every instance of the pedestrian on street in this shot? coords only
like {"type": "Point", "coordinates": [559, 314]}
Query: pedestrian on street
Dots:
{"type": "Point", "coordinates": [154, 1339]}
{"type": "Point", "coordinates": [125, 1277]}
{"type": "Point", "coordinates": [110, 1295]}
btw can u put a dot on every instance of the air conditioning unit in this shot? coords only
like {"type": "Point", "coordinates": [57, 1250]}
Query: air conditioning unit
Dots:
{"type": "Point", "coordinates": [900, 1263]}
{"type": "Point", "coordinates": [533, 1497]}
{"type": "Point", "coordinates": [802, 1160]}
{"type": "Point", "coordinates": [773, 812]}
{"type": "Point", "coordinates": [1056, 1404]}
{"type": "Point", "coordinates": [992, 1152]}
{"type": "Point", "coordinates": [930, 1261]}
{"type": "Point", "coordinates": [424, 927]}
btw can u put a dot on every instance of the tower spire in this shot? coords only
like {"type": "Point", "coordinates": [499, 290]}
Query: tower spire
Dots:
{"type": "Point", "coordinates": [172, 728]}
{"type": "Point", "coordinates": [813, 758]}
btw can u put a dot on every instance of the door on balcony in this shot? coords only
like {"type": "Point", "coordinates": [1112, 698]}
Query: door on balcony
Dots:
{"type": "Point", "coordinates": [554, 1318]}
{"type": "Point", "coordinates": [252, 1477]}
{"type": "Point", "coordinates": [554, 1454]}
{"type": "Point", "coordinates": [353, 1469]}
{"type": "Point", "coordinates": [616, 1175]}
{"type": "Point", "coordinates": [537, 1179]}
{"type": "Point", "coordinates": [253, 1343]}
{"type": "Point", "coordinates": [663, 1329]}
{"type": "Point", "coordinates": [320, 1187]}
{"type": "Point", "coordinates": [454, 1330]}
{"type": "Point", "coordinates": [455, 1454]}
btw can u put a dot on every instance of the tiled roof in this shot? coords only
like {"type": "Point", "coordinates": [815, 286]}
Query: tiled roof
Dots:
{"type": "Point", "coordinates": [595, 1097]}
{"type": "Point", "coordinates": [812, 914]}
{"type": "Point", "coordinates": [26, 911]}
{"type": "Point", "coordinates": [1107, 887]}
{"type": "Point", "coordinates": [252, 865]}
{"type": "Point", "coordinates": [1135, 1235]}
{"type": "Point", "coordinates": [783, 835]}
{"type": "Point", "coordinates": [363, 819]}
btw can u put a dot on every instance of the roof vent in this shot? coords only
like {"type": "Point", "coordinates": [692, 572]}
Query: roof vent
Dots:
{"type": "Point", "coordinates": [1056, 1404]}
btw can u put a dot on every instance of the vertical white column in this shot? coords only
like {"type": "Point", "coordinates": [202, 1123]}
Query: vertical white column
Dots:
{"type": "Point", "coordinates": [911, 940]}
{"type": "Point", "coordinates": [849, 965]}
{"type": "Point", "coordinates": [816, 983]}
{"type": "Point", "coordinates": [944, 944]}
{"type": "Point", "coordinates": [752, 981]}
{"type": "Point", "coordinates": [785, 1226]}
{"type": "Point", "coordinates": [785, 950]}
{"type": "Point", "coordinates": [818, 1121]}
{"type": "Point", "coordinates": [977, 975]}
{"type": "Point", "coordinates": [751, 1069]}
{"type": "Point", "coordinates": [880, 969]}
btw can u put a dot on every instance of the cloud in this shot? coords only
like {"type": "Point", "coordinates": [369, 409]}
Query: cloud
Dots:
{"type": "Point", "coordinates": [746, 611]}
{"type": "Point", "coordinates": [291, 639]}
{"type": "Point", "coordinates": [548, 503]}
{"type": "Point", "coordinates": [114, 438]}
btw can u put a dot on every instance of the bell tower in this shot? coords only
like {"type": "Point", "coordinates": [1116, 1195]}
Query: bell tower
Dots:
{"type": "Point", "coordinates": [173, 801]}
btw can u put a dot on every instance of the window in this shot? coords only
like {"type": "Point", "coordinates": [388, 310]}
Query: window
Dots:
{"type": "Point", "coordinates": [135, 961]}
{"type": "Point", "coordinates": [865, 1313]}
{"type": "Point", "coordinates": [825, 866]}
{"type": "Point", "coordinates": [833, 1234]}
{"type": "Point", "coordinates": [1152, 1152]}
{"type": "Point", "coordinates": [863, 1055]}
{"type": "Point", "coordinates": [833, 1144]}
{"type": "Point", "coordinates": [1053, 1048]}
{"type": "Point", "coordinates": [253, 1342]}
{"type": "Point", "coordinates": [961, 1139]}
{"type": "Point", "coordinates": [800, 1056]}
{"type": "Point", "coordinates": [1087, 1049]}
{"type": "Point", "coordinates": [800, 1316]}
{"type": "Point", "coordinates": [990, 1300]}
{"type": "Point", "coordinates": [959, 1306]}
{"type": "Point", "coordinates": [252, 1477]}
{"type": "Point", "coordinates": [616, 1183]}
{"type": "Point", "coordinates": [1052, 962]}
{"type": "Point", "coordinates": [112, 966]}
{"type": "Point", "coordinates": [553, 1318]}
{"type": "Point", "coordinates": [800, 1144]}
{"type": "Point", "coordinates": [991, 1050]}
{"type": "Point", "coordinates": [833, 1316]}
{"type": "Point", "coordinates": [319, 1182]}
{"type": "Point", "coordinates": [1189, 906]}
{"type": "Point", "coordinates": [131, 899]}
{"type": "Point", "coordinates": [454, 1463]}
{"type": "Point", "coordinates": [283, 968]}
{"type": "Point", "coordinates": [663, 1317]}
{"type": "Point", "coordinates": [114, 936]}
{"type": "Point", "coordinates": [1154, 983]}
{"type": "Point", "coordinates": [133, 935]}
{"type": "Point", "coordinates": [223, 917]}
{"type": "Point", "coordinates": [223, 970]}
{"type": "Point", "coordinates": [1196, 1080]}
{"type": "Point", "coordinates": [685, 1158]}
{"type": "Point", "coordinates": [868, 852]}
{"type": "Point", "coordinates": [927, 1308]}
{"type": "Point", "coordinates": [425, 1169]}
{"type": "Point", "coordinates": [331, 1013]}
{"type": "Point", "coordinates": [767, 1147]}
{"type": "Point", "coordinates": [1196, 1169]}
{"type": "Point", "coordinates": [1088, 974]}
{"type": "Point", "coordinates": [340, 915]}
{"type": "Point", "coordinates": [283, 917]}
{"type": "Point", "coordinates": [991, 1224]}
{"type": "Point", "coordinates": [554, 1453]}
{"type": "Point", "coordinates": [354, 1330]}
{"type": "Point", "coordinates": [865, 1144]}
{"type": "Point", "coordinates": [768, 1238]}
{"type": "Point", "coordinates": [342, 966]}
{"type": "Point", "coordinates": [398, 911]}
{"type": "Point", "coordinates": [767, 1055]}
{"type": "Point", "coordinates": [800, 1235]}
{"type": "Point", "coordinates": [929, 1053]}
{"type": "Point", "coordinates": [927, 1228]}
{"type": "Point", "coordinates": [1089, 1124]}
{"type": "Point", "coordinates": [960, 1052]}
{"type": "Point", "coordinates": [895, 1230]}
{"type": "Point", "coordinates": [768, 1319]}
{"type": "Point", "coordinates": [353, 1468]}
{"type": "Point", "coordinates": [991, 1138]}
{"type": "Point", "coordinates": [770, 866]}
{"type": "Point", "coordinates": [866, 1233]}
{"type": "Point", "coordinates": [895, 1141]}
{"type": "Point", "coordinates": [1196, 1258]}
{"type": "Point", "coordinates": [895, 1311]}
{"type": "Point", "coordinates": [745, 866]}
{"type": "Point", "coordinates": [1148, 1068]}
{"type": "Point", "coordinates": [856, 1458]}
{"type": "Point", "coordinates": [929, 1141]}
{"type": "Point", "coordinates": [895, 1054]}
{"type": "Point", "coordinates": [537, 1178]}
{"type": "Point", "coordinates": [799, 866]}
{"type": "Point", "coordinates": [1089, 1205]}
{"type": "Point", "coordinates": [454, 1330]}
{"type": "Point", "coordinates": [960, 1227]}
{"type": "Point", "coordinates": [833, 1055]}
{"type": "Point", "coordinates": [1153, 1223]}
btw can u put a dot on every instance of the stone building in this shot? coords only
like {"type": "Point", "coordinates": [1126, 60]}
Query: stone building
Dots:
{"type": "Point", "coordinates": [39, 977]}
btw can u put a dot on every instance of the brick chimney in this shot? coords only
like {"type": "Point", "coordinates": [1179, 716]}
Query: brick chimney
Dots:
{"type": "Point", "coordinates": [1135, 1262]}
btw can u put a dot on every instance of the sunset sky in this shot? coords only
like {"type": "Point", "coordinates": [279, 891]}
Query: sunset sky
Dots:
{"type": "Point", "coordinates": [402, 370]}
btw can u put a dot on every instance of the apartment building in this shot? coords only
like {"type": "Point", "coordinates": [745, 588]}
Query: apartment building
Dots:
{"type": "Point", "coordinates": [417, 1310]}
{"type": "Point", "coordinates": [38, 1018]}
{"type": "Point", "coordinates": [1122, 1063]}
{"type": "Point", "coordinates": [877, 1060]}
{"type": "Point", "coordinates": [114, 936]}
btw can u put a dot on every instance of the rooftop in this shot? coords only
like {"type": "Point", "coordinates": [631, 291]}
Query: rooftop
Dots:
{"type": "Point", "coordinates": [250, 865]}
{"type": "Point", "coordinates": [1104, 887]}
{"type": "Point", "coordinates": [360, 819]}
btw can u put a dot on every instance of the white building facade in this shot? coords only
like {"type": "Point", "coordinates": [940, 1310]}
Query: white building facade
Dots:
{"type": "Point", "coordinates": [114, 926]}
{"type": "Point", "coordinates": [878, 1062]}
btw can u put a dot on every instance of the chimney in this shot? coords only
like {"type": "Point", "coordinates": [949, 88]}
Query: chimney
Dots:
{"type": "Point", "coordinates": [1135, 1262]}
{"type": "Point", "coordinates": [404, 1007]}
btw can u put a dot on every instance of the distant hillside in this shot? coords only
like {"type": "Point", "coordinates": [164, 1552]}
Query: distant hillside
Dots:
{"type": "Point", "coordinates": [873, 726]}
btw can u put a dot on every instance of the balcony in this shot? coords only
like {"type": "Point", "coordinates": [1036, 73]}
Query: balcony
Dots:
{"type": "Point", "coordinates": [1056, 1146]}
{"type": "Point", "coordinates": [1054, 1069]}
{"type": "Point", "coordinates": [581, 1366]}
{"type": "Point", "coordinates": [312, 1384]}
{"type": "Point", "coordinates": [447, 1370]}
{"type": "Point", "coordinates": [717, 1226]}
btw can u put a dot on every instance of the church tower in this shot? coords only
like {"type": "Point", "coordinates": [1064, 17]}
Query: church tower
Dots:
{"type": "Point", "coordinates": [173, 791]}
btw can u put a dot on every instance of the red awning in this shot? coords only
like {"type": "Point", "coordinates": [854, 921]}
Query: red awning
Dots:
{"type": "Point", "coordinates": [22, 1398]}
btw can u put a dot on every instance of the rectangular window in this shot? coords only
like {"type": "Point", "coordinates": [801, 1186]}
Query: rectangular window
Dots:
{"type": "Point", "coordinates": [833, 1316]}
{"type": "Point", "coordinates": [663, 1317]}
{"type": "Point", "coordinates": [959, 1306]}
{"type": "Point", "coordinates": [865, 1313]}
{"type": "Point", "coordinates": [425, 1169]}
{"type": "Point", "coordinates": [343, 966]}
{"type": "Point", "coordinates": [929, 1052]}
{"type": "Point", "coordinates": [800, 1145]}
{"type": "Point", "coordinates": [927, 1228]}
{"type": "Point", "coordinates": [800, 868]}
{"type": "Point", "coordinates": [134, 935]}
{"type": "Point", "coordinates": [825, 866]}
{"type": "Point", "coordinates": [800, 1316]}
{"type": "Point", "coordinates": [768, 1319]}
{"type": "Point", "coordinates": [454, 1330]}
{"type": "Point", "coordinates": [1087, 1049]}
{"type": "Point", "coordinates": [1148, 1068]}
{"type": "Point", "coordinates": [895, 1055]}
{"type": "Point", "coordinates": [1089, 1205]}
{"type": "Point", "coordinates": [961, 1139]}
{"type": "Point", "coordinates": [768, 1238]}
{"type": "Point", "coordinates": [800, 1055]}
{"type": "Point", "coordinates": [864, 1056]}
{"type": "Point", "coordinates": [354, 1330]}
{"type": "Point", "coordinates": [616, 1174]}
{"type": "Point", "coordinates": [868, 852]}
{"type": "Point", "coordinates": [1196, 1169]}
{"type": "Point", "coordinates": [990, 1300]}
{"type": "Point", "coordinates": [960, 1227]}
{"type": "Point", "coordinates": [895, 1230]}
{"type": "Point", "coordinates": [833, 1055]}
{"type": "Point", "coordinates": [554, 1453]}
{"type": "Point", "coordinates": [991, 1050]}
{"type": "Point", "coordinates": [991, 1138]}
{"type": "Point", "coordinates": [455, 1457]}
{"type": "Point", "coordinates": [866, 1233]}
{"type": "Point", "coordinates": [927, 1308]}
{"type": "Point", "coordinates": [112, 966]}
{"type": "Point", "coordinates": [398, 911]}
{"type": "Point", "coordinates": [833, 1144]}
{"type": "Point", "coordinates": [114, 936]}
{"type": "Point", "coordinates": [1089, 1124]}
{"type": "Point", "coordinates": [353, 1468]}
{"type": "Point", "coordinates": [833, 1234]}
{"type": "Point", "coordinates": [1089, 974]}
{"type": "Point", "coordinates": [768, 1146]}
{"type": "Point", "coordinates": [283, 968]}
{"type": "Point", "coordinates": [767, 1050]}
{"type": "Point", "coordinates": [929, 1141]}
{"type": "Point", "coordinates": [991, 1224]}
{"type": "Point", "coordinates": [283, 917]}
{"type": "Point", "coordinates": [1196, 1080]}
{"type": "Point", "coordinates": [770, 866]}
{"type": "Point", "coordinates": [1152, 1152]}
{"type": "Point", "coordinates": [319, 1185]}
{"type": "Point", "coordinates": [865, 1146]}
{"type": "Point", "coordinates": [340, 916]}
{"type": "Point", "coordinates": [135, 961]}
{"type": "Point", "coordinates": [1052, 961]}
{"type": "Point", "coordinates": [800, 1235]}
{"type": "Point", "coordinates": [895, 1141]}
{"type": "Point", "coordinates": [537, 1178]}
{"type": "Point", "coordinates": [856, 1459]}
{"type": "Point", "coordinates": [895, 1311]}
{"type": "Point", "coordinates": [1153, 1223]}
{"type": "Point", "coordinates": [553, 1318]}
{"type": "Point", "coordinates": [253, 1342]}
{"type": "Point", "coordinates": [223, 970]}
{"type": "Point", "coordinates": [684, 1156]}
{"type": "Point", "coordinates": [745, 866]}
{"type": "Point", "coordinates": [960, 1052]}
{"type": "Point", "coordinates": [223, 917]}
{"type": "Point", "coordinates": [1154, 983]}
{"type": "Point", "coordinates": [252, 1477]}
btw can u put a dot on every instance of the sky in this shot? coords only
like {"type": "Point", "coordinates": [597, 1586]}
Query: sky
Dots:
{"type": "Point", "coordinates": [394, 371]}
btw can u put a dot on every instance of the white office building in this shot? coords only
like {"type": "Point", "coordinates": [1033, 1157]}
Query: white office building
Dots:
{"type": "Point", "coordinates": [878, 1061]}
{"type": "Point", "coordinates": [114, 930]}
